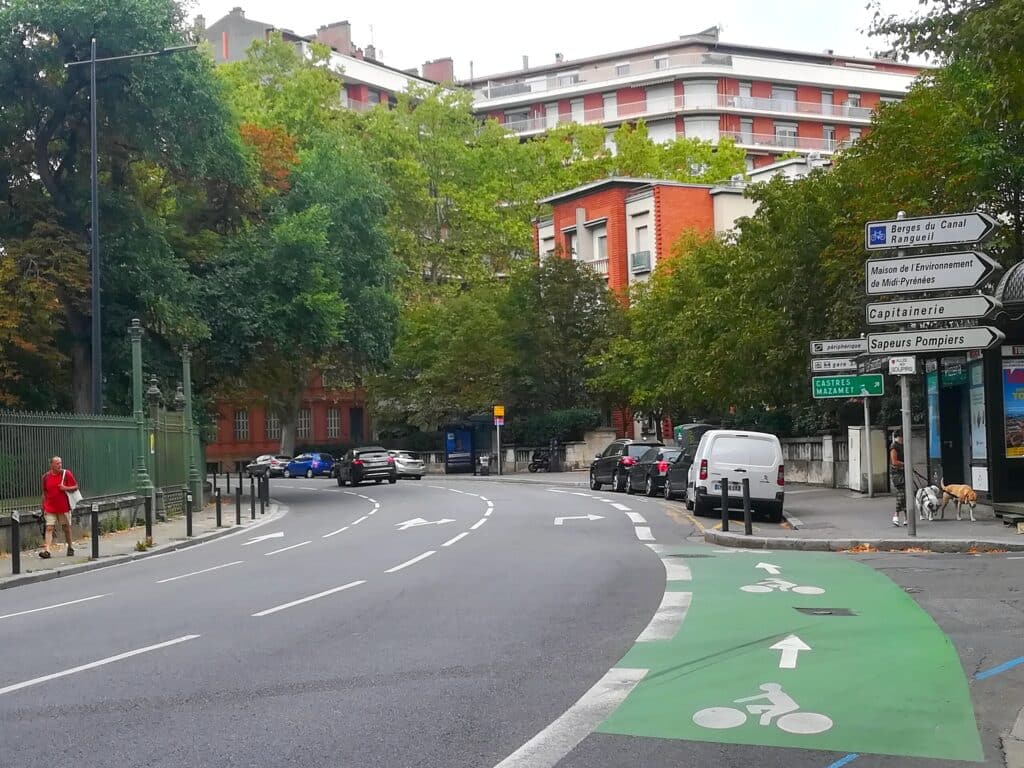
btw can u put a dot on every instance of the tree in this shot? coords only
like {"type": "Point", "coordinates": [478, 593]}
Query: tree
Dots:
{"type": "Point", "coordinates": [682, 159]}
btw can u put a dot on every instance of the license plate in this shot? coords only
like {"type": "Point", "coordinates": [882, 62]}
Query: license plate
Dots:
{"type": "Point", "coordinates": [733, 487]}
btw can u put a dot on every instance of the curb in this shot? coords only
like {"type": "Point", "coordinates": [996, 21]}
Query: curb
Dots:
{"type": "Point", "coordinates": [1013, 743]}
{"type": "Point", "coordinates": [840, 545]}
{"type": "Point", "coordinates": [163, 549]}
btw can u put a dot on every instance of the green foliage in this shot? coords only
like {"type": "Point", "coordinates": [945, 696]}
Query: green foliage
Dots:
{"type": "Point", "coordinates": [539, 429]}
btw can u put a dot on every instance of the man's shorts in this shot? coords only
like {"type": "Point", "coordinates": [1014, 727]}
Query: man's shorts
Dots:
{"type": "Point", "coordinates": [54, 519]}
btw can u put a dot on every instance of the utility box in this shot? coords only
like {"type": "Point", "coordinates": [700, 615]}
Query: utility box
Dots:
{"type": "Point", "coordinates": [858, 445]}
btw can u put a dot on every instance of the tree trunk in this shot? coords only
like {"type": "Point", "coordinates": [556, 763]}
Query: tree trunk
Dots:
{"type": "Point", "coordinates": [289, 419]}
{"type": "Point", "coordinates": [81, 376]}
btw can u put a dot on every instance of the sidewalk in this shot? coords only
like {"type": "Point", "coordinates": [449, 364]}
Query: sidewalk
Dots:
{"type": "Point", "coordinates": [838, 519]}
{"type": "Point", "coordinates": [120, 546]}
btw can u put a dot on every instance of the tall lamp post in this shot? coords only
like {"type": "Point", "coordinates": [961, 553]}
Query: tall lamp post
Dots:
{"type": "Point", "coordinates": [97, 341]}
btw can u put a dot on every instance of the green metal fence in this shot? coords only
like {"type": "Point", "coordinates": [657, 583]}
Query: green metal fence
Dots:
{"type": "Point", "coordinates": [99, 451]}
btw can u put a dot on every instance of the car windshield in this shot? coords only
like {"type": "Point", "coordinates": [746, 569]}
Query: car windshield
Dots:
{"type": "Point", "coordinates": [371, 451]}
{"type": "Point", "coordinates": [283, 458]}
{"type": "Point", "coordinates": [636, 450]}
{"type": "Point", "coordinates": [670, 453]}
{"type": "Point", "coordinates": [649, 455]}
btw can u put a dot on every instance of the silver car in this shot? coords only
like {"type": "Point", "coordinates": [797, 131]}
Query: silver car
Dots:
{"type": "Point", "coordinates": [407, 464]}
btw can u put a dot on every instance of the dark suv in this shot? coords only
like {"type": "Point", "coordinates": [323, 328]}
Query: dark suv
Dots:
{"type": "Point", "coordinates": [366, 463]}
{"type": "Point", "coordinates": [613, 464]}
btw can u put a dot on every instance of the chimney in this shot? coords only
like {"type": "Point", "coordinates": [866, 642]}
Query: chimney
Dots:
{"type": "Point", "coordinates": [237, 11]}
{"type": "Point", "coordinates": [440, 70]}
{"type": "Point", "coordinates": [338, 36]}
{"type": "Point", "coordinates": [371, 52]}
{"type": "Point", "coordinates": [526, 62]}
{"type": "Point", "coordinates": [559, 58]}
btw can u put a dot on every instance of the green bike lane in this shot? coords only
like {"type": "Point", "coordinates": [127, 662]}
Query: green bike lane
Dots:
{"type": "Point", "coordinates": [799, 650]}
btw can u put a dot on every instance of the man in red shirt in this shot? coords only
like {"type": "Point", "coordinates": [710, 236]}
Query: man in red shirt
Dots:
{"type": "Point", "coordinates": [56, 507]}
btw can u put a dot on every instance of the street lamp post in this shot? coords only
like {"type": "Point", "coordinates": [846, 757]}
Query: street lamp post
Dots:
{"type": "Point", "coordinates": [97, 340]}
{"type": "Point", "coordinates": [194, 480]}
{"type": "Point", "coordinates": [153, 397]}
{"type": "Point", "coordinates": [143, 483]}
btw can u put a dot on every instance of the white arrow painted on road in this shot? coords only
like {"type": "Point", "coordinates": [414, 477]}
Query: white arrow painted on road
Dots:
{"type": "Point", "coordinates": [560, 520]}
{"type": "Point", "coordinates": [264, 537]}
{"type": "Point", "coordinates": [772, 570]}
{"type": "Point", "coordinates": [790, 647]}
{"type": "Point", "coordinates": [418, 521]}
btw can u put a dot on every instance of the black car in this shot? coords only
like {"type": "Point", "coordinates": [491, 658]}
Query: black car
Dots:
{"type": "Point", "coordinates": [688, 437]}
{"type": "Point", "coordinates": [267, 464]}
{"type": "Point", "coordinates": [649, 472]}
{"type": "Point", "coordinates": [367, 463]}
{"type": "Point", "coordinates": [613, 464]}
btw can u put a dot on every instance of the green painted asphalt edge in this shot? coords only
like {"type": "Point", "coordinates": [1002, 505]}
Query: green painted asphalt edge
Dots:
{"type": "Point", "coordinates": [944, 546]}
{"type": "Point", "coordinates": [95, 565]}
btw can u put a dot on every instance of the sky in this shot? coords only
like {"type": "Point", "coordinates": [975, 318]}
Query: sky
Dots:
{"type": "Point", "coordinates": [495, 36]}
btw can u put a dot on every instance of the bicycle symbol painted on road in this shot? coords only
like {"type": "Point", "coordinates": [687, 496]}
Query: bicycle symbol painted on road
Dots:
{"type": "Point", "coordinates": [773, 584]}
{"type": "Point", "coordinates": [780, 707]}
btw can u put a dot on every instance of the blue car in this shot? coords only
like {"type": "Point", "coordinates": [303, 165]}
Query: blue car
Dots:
{"type": "Point", "coordinates": [310, 465]}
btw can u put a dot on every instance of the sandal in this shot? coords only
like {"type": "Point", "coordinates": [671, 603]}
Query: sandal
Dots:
{"type": "Point", "coordinates": [44, 554]}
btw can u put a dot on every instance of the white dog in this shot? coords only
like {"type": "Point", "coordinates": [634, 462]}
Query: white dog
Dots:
{"type": "Point", "coordinates": [927, 502]}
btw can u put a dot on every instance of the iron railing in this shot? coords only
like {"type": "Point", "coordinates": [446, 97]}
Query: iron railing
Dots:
{"type": "Point", "coordinates": [640, 262]}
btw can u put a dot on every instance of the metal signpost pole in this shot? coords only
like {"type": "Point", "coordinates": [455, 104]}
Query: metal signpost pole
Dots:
{"type": "Point", "coordinates": [867, 432]}
{"type": "Point", "coordinates": [908, 439]}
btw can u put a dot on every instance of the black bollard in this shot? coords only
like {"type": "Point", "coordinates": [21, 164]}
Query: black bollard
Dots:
{"type": "Point", "coordinates": [238, 505]}
{"type": "Point", "coordinates": [188, 515]}
{"type": "Point", "coordinates": [95, 532]}
{"type": "Point", "coordinates": [216, 495]}
{"type": "Point", "coordinates": [15, 542]}
{"type": "Point", "coordinates": [748, 523]}
{"type": "Point", "coordinates": [252, 498]}
{"type": "Point", "coordinates": [149, 518]}
{"type": "Point", "coordinates": [263, 495]}
{"type": "Point", "coordinates": [725, 504]}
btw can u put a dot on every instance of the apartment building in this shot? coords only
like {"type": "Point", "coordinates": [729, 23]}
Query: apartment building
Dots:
{"type": "Point", "coordinates": [771, 102]}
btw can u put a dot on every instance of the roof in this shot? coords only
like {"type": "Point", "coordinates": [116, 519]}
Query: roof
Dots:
{"type": "Point", "coordinates": [1010, 291]}
{"type": "Point", "coordinates": [611, 181]}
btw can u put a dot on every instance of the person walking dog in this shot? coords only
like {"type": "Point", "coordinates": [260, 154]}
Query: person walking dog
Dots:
{"type": "Point", "coordinates": [898, 479]}
{"type": "Point", "coordinates": [60, 495]}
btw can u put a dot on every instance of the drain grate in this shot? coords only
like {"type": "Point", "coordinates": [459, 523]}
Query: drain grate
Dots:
{"type": "Point", "coordinates": [826, 611]}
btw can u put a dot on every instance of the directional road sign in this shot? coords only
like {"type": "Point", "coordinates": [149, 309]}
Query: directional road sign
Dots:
{"type": "Point", "coordinates": [928, 230]}
{"type": "Point", "coordinates": [928, 310]}
{"type": "Point", "coordinates": [867, 385]}
{"type": "Point", "coordinates": [910, 342]}
{"type": "Point", "coordinates": [905, 365]}
{"type": "Point", "coordinates": [833, 365]}
{"type": "Point", "coordinates": [838, 346]}
{"type": "Point", "coordinates": [935, 272]}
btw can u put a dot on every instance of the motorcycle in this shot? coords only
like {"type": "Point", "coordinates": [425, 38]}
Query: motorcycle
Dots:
{"type": "Point", "coordinates": [541, 460]}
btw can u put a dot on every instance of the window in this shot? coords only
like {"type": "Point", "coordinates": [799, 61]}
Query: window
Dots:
{"type": "Point", "coordinates": [611, 106]}
{"type": "Point", "coordinates": [661, 62]}
{"type": "Point", "coordinates": [551, 115]}
{"type": "Point", "coordinates": [826, 103]}
{"type": "Point", "coordinates": [785, 134]}
{"type": "Point", "coordinates": [272, 426]}
{"type": "Point", "coordinates": [744, 90]}
{"type": "Point", "coordinates": [854, 134]}
{"type": "Point", "coordinates": [600, 243]}
{"type": "Point", "coordinates": [701, 94]}
{"type": "Point", "coordinates": [784, 98]}
{"type": "Point", "coordinates": [517, 120]}
{"type": "Point", "coordinates": [621, 70]}
{"type": "Point", "coordinates": [828, 133]}
{"type": "Point", "coordinates": [853, 100]}
{"type": "Point", "coordinates": [302, 426]}
{"type": "Point", "coordinates": [661, 98]}
{"type": "Point", "coordinates": [747, 130]}
{"type": "Point", "coordinates": [889, 100]}
{"type": "Point", "coordinates": [547, 247]}
{"type": "Point", "coordinates": [566, 79]}
{"type": "Point", "coordinates": [241, 424]}
{"type": "Point", "coordinates": [577, 110]}
{"type": "Point", "coordinates": [333, 423]}
{"type": "Point", "coordinates": [643, 239]}
{"type": "Point", "coordinates": [570, 245]}
{"type": "Point", "coordinates": [373, 97]}
{"type": "Point", "coordinates": [705, 128]}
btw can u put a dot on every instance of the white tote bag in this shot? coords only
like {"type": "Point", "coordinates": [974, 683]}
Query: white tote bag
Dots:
{"type": "Point", "coordinates": [74, 497]}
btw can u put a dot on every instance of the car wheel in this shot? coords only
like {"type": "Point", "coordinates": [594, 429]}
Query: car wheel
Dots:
{"type": "Point", "coordinates": [701, 508]}
{"type": "Point", "coordinates": [775, 513]}
{"type": "Point", "coordinates": [689, 502]}
{"type": "Point", "coordinates": [617, 484]}
{"type": "Point", "coordinates": [341, 483]}
{"type": "Point", "coordinates": [594, 485]}
{"type": "Point", "coordinates": [418, 477]}
{"type": "Point", "coordinates": [629, 485]}
{"type": "Point", "coordinates": [309, 474]}
{"type": "Point", "coordinates": [667, 490]}
{"type": "Point", "coordinates": [393, 479]}
{"type": "Point", "coordinates": [287, 474]}
{"type": "Point", "coordinates": [650, 486]}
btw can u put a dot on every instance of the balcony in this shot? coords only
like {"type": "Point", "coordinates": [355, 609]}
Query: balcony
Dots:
{"type": "Point", "coordinates": [640, 262]}
{"type": "Point", "coordinates": [598, 265]}
{"type": "Point", "coordinates": [783, 142]}
{"type": "Point", "coordinates": [790, 107]}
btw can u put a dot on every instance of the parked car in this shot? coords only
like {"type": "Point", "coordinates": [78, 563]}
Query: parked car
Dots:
{"type": "Point", "coordinates": [735, 454]}
{"type": "Point", "coordinates": [267, 465]}
{"type": "Point", "coordinates": [367, 463]}
{"type": "Point", "coordinates": [687, 439]}
{"type": "Point", "coordinates": [612, 465]}
{"type": "Point", "coordinates": [310, 465]}
{"type": "Point", "coordinates": [407, 464]}
{"type": "Point", "coordinates": [649, 472]}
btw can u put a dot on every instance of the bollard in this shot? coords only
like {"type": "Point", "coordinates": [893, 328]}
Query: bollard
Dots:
{"type": "Point", "coordinates": [263, 492]}
{"type": "Point", "coordinates": [149, 519]}
{"type": "Point", "coordinates": [748, 523]}
{"type": "Point", "coordinates": [725, 504]}
{"type": "Point", "coordinates": [216, 495]}
{"type": "Point", "coordinates": [229, 480]}
{"type": "Point", "coordinates": [215, 481]}
{"type": "Point", "coordinates": [238, 504]}
{"type": "Point", "coordinates": [266, 488]}
{"type": "Point", "coordinates": [95, 532]}
{"type": "Point", "coordinates": [15, 542]}
{"type": "Point", "coordinates": [252, 498]}
{"type": "Point", "coordinates": [188, 515]}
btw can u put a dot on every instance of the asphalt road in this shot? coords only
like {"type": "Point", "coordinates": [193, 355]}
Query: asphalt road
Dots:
{"type": "Point", "coordinates": [370, 633]}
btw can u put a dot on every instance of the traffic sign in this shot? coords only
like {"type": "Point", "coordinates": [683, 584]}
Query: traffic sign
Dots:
{"type": "Point", "coordinates": [833, 364]}
{"type": "Point", "coordinates": [928, 230]}
{"type": "Point", "coordinates": [935, 272]}
{"type": "Point", "coordinates": [838, 346]}
{"type": "Point", "coordinates": [499, 421]}
{"type": "Point", "coordinates": [867, 385]}
{"type": "Point", "coordinates": [499, 411]}
{"type": "Point", "coordinates": [903, 366]}
{"type": "Point", "coordinates": [928, 310]}
{"type": "Point", "coordinates": [980, 337]}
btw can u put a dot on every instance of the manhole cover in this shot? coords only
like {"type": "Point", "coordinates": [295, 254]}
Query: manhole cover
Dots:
{"type": "Point", "coordinates": [827, 611]}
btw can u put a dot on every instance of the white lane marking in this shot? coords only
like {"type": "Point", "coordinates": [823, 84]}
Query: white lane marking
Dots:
{"type": "Point", "coordinates": [196, 573]}
{"type": "Point", "coordinates": [407, 563]}
{"type": "Point", "coordinates": [555, 490]}
{"type": "Point", "coordinates": [606, 501]}
{"type": "Point", "coordinates": [453, 539]}
{"type": "Point", "coordinates": [364, 497]}
{"type": "Point", "coordinates": [453, 490]}
{"type": "Point", "coordinates": [620, 507]}
{"type": "Point", "coordinates": [636, 517]}
{"type": "Point", "coordinates": [307, 488]}
{"type": "Point", "coordinates": [656, 548]}
{"type": "Point", "coordinates": [478, 523]}
{"type": "Point", "coordinates": [302, 600]}
{"type": "Point", "coordinates": [264, 537]}
{"type": "Point", "coordinates": [357, 522]}
{"type": "Point", "coordinates": [561, 737]}
{"type": "Point", "coordinates": [94, 664]}
{"type": "Point", "coordinates": [643, 533]}
{"type": "Point", "coordinates": [351, 493]}
{"type": "Point", "coordinates": [439, 487]}
{"type": "Point", "coordinates": [334, 533]}
{"type": "Point", "coordinates": [490, 504]}
{"type": "Point", "coordinates": [285, 549]}
{"type": "Point", "coordinates": [579, 493]}
{"type": "Point", "coordinates": [668, 618]}
{"type": "Point", "coordinates": [484, 498]}
{"type": "Point", "coordinates": [1009, 558]}
{"type": "Point", "coordinates": [488, 512]}
{"type": "Point", "coordinates": [48, 607]}
{"type": "Point", "coordinates": [676, 569]}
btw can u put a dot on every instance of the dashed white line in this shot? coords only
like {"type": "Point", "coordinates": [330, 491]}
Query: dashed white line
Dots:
{"type": "Point", "coordinates": [668, 618]}
{"type": "Point", "coordinates": [488, 512]}
{"type": "Point", "coordinates": [478, 523]}
{"type": "Point", "coordinates": [334, 533]}
{"type": "Point", "coordinates": [94, 664]}
{"type": "Point", "coordinates": [556, 490]}
{"type": "Point", "coordinates": [196, 573]}
{"type": "Point", "coordinates": [302, 600]}
{"type": "Point", "coordinates": [285, 549]}
{"type": "Point", "coordinates": [453, 490]}
{"type": "Point", "coordinates": [454, 539]}
{"type": "Point", "coordinates": [357, 522]}
{"type": "Point", "coordinates": [620, 507]}
{"type": "Point", "coordinates": [580, 493]}
{"type": "Point", "coordinates": [484, 498]}
{"type": "Point", "coordinates": [489, 503]}
{"type": "Point", "coordinates": [606, 501]}
{"type": "Point", "coordinates": [636, 517]}
{"type": "Point", "coordinates": [407, 563]}
{"type": "Point", "coordinates": [676, 570]}
{"type": "Point", "coordinates": [49, 607]}
{"type": "Point", "coordinates": [643, 533]}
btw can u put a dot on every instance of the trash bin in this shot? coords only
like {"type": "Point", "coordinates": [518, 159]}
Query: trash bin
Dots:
{"type": "Point", "coordinates": [484, 465]}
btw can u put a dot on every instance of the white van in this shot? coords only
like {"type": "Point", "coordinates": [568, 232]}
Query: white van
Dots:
{"type": "Point", "coordinates": [737, 454]}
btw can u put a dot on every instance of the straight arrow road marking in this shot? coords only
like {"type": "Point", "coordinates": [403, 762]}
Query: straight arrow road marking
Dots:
{"type": "Point", "coordinates": [790, 647]}
{"type": "Point", "coordinates": [560, 520]}
{"type": "Point", "coordinates": [772, 570]}
{"type": "Point", "coordinates": [264, 537]}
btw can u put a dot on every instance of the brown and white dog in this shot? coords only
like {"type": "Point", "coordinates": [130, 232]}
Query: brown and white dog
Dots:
{"type": "Point", "coordinates": [962, 494]}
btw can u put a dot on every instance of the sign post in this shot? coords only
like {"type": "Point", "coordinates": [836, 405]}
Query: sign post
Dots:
{"type": "Point", "coordinates": [499, 420]}
{"type": "Point", "coordinates": [907, 425]}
